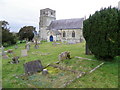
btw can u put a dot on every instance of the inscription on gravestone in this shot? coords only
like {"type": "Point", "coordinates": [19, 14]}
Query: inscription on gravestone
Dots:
{"type": "Point", "coordinates": [33, 67]}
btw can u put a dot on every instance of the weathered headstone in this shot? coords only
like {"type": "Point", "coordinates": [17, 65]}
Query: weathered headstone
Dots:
{"type": "Point", "coordinates": [54, 43]}
{"type": "Point", "coordinates": [24, 52]}
{"type": "Point", "coordinates": [5, 56]}
{"type": "Point", "coordinates": [33, 67]}
{"type": "Point", "coordinates": [64, 55]}
{"type": "Point", "coordinates": [10, 51]}
{"type": "Point", "coordinates": [36, 46]}
{"type": "Point", "coordinates": [71, 42]}
{"type": "Point", "coordinates": [15, 60]}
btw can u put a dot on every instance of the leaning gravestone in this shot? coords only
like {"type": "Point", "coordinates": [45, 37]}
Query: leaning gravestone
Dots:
{"type": "Point", "coordinates": [33, 67]}
{"type": "Point", "coordinates": [24, 53]}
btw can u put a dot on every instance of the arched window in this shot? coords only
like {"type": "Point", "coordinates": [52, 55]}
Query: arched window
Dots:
{"type": "Point", "coordinates": [73, 34]}
{"type": "Point", "coordinates": [64, 34]}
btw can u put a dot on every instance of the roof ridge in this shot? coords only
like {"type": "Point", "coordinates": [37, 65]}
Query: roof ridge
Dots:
{"type": "Point", "coordinates": [70, 19]}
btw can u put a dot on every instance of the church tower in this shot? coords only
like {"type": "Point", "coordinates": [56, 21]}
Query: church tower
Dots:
{"type": "Point", "coordinates": [46, 17]}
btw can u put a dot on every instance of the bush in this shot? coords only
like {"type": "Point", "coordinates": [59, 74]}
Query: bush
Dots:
{"type": "Point", "coordinates": [102, 33]}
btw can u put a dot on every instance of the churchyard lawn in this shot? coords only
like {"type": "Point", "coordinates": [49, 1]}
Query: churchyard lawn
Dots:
{"type": "Point", "coordinates": [105, 76]}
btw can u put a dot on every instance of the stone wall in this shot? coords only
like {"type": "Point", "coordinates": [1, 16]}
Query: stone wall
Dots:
{"type": "Point", "coordinates": [78, 35]}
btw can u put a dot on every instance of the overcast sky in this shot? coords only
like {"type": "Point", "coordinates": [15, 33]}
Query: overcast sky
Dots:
{"type": "Point", "coordinates": [21, 13]}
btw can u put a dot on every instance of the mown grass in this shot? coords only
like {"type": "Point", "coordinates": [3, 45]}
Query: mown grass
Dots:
{"type": "Point", "coordinates": [104, 77]}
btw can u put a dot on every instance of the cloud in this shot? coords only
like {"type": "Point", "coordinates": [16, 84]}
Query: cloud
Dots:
{"type": "Point", "coordinates": [27, 12]}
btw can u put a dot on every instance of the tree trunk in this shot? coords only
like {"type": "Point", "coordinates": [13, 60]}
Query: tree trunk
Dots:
{"type": "Point", "coordinates": [87, 52]}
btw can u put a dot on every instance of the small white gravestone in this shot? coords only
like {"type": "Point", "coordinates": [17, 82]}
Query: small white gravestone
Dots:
{"type": "Point", "coordinates": [24, 52]}
{"type": "Point", "coordinates": [45, 72]}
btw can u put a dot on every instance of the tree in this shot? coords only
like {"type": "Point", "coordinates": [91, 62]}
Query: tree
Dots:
{"type": "Point", "coordinates": [101, 33]}
{"type": "Point", "coordinates": [26, 33]}
{"type": "Point", "coordinates": [7, 37]}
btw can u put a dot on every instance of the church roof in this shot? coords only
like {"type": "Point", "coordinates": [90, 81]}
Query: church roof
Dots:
{"type": "Point", "coordinates": [66, 24]}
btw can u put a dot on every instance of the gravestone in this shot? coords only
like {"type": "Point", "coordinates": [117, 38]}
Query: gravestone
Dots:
{"type": "Point", "coordinates": [64, 55]}
{"type": "Point", "coordinates": [33, 67]}
{"type": "Point", "coordinates": [54, 43]}
{"type": "Point", "coordinates": [24, 53]}
{"type": "Point", "coordinates": [5, 56]}
{"type": "Point", "coordinates": [15, 60]}
{"type": "Point", "coordinates": [3, 52]}
{"type": "Point", "coordinates": [10, 51]}
{"type": "Point", "coordinates": [16, 46]}
{"type": "Point", "coordinates": [45, 72]}
{"type": "Point", "coordinates": [27, 47]}
{"type": "Point", "coordinates": [36, 46]}
{"type": "Point", "coordinates": [71, 42]}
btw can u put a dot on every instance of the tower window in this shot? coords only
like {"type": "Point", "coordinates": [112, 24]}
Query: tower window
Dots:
{"type": "Point", "coordinates": [73, 34]}
{"type": "Point", "coordinates": [64, 34]}
{"type": "Point", "coordinates": [51, 13]}
{"type": "Point", "coordinates": [43, 12]}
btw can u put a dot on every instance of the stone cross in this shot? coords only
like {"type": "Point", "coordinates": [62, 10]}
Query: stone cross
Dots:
{"type": "Point", "coordinates": [36, 43]}
{"type": "Point", "coordinates": [27, 46]}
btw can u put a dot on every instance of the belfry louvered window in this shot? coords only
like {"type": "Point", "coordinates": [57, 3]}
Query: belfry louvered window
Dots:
{"type": "Point", "coordinates": [73, 34]}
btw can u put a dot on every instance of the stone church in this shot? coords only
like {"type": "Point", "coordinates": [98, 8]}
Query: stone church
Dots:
{"type": "Point", "coordinates": [50, 29]}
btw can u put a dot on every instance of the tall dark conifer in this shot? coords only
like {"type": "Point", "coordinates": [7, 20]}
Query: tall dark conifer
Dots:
{"type": "Point", "coordinates": [101, 32]}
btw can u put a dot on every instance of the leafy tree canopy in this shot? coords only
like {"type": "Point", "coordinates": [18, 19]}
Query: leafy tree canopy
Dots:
{"type": "Point", "coordinates": [26, 32]}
